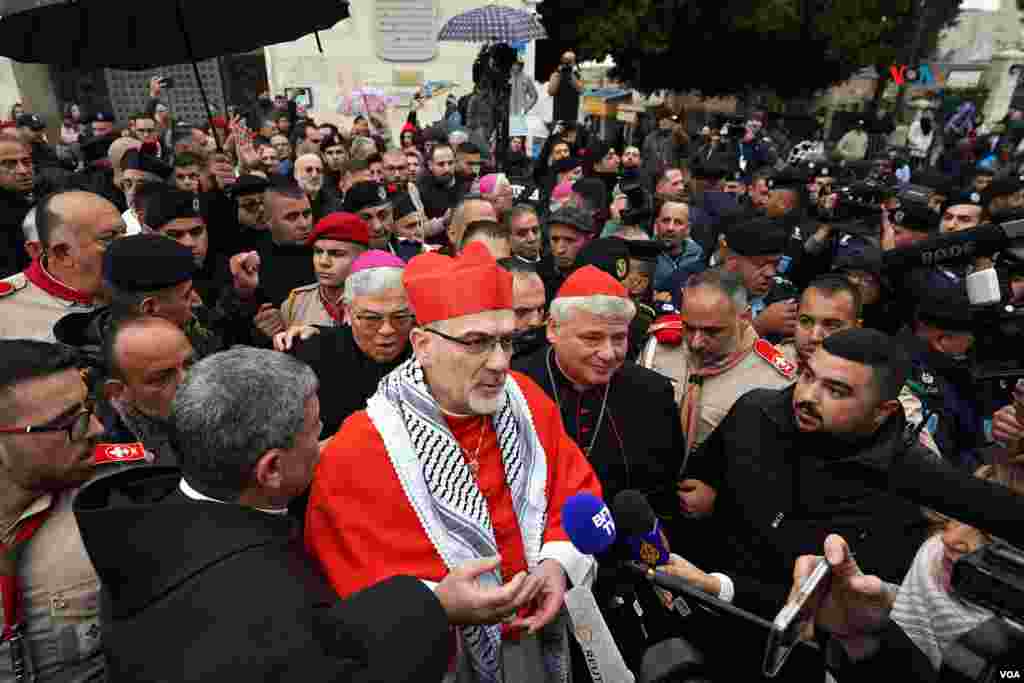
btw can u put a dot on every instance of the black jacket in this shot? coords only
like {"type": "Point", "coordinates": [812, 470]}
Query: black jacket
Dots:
{"type": "Point", "coordinates": [283, 268]}
{"type": "Point", "coordinates": [639, 443]}
{"type": "Point", "coordinates": [781, 492]}
{"type": "Point", "coordinates": [13, 209]}
{"type": "Point", "coordinates": [202, 591]}
{"type": "Point", "coordinates": [347, 376]}
{"type": "Point", "coordinates": [436, 198]}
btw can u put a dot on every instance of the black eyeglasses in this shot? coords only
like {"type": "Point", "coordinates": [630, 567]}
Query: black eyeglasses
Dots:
{"type": "Point", "coordinates": [77, 425]}
{"type": "Point", "coordinates": [478, 346]}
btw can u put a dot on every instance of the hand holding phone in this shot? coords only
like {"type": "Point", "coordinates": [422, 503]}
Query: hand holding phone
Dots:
{"type": "Point", "coordinates": [790, 621]}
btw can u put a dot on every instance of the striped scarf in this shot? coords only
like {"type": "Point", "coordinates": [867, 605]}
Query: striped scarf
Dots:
{"type": "Point", "coordinates": [442, 489]}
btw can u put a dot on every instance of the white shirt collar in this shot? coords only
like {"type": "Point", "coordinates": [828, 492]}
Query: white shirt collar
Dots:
{"type": "Point", "coordinates": [196, 495]}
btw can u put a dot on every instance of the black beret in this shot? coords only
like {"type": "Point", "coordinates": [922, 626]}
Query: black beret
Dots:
{"type": "Point", "coordinates": [870, 347]}
{"type": "Point", "coordinates": [145, 263]}
{"type": "Point", "coordinates": [563, 165]}
{"type": "Point", "coordinates": [712, 169]}
{"type": "Point", "coordinates": [644, 250]}
{"type": "Point", "coordinates": [858, 254]}
{"type": "Point", "coordinates": [171, 205]}
{"type": "Point", "coordinates": [403, 205]}
{"type": "Point", "coordinates": [596, 151]}
{"type": "Point", "coordinates": [969, 196]}
{"type": "Point", "coordinates": [248, 184]}
{"type": "Point", "coordinates": [946, 308]}
{"type": "Point", "coordinates": [916, 217]}
{"type": "Point", "coordinates": [758, 237]}
{"type": "Point", "coordinates": [937, 182]}
{"type": "Point", "coordinates": [134, 160]}
{"type": "Point", "coordinates": [609, 254]}
{"type": "Point", "coordinates": [574, 218]}
{"type": "Point", "coordinates": [362, 195]}
{"type": "Point", "coordinates": [95, 148]}
{"type": "Point", "coordinates": [788, 179]}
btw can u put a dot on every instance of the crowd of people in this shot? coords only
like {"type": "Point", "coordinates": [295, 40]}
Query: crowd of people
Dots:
{"type": "Point", "coordinates": [285, 401]}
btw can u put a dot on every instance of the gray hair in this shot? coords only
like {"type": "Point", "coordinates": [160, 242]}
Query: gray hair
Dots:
{"type": "Point", "coordinates": [372, 282]}
{"type": "Point", "coordinates": [601, 305]}
{"type": "Point", "coordinates": [457, 137]}
{"type": "Point", "coordinates": [232, 408]}
{"type": "Point", "coordinates": [29, 227]}
{"type": "Point", "coordinates": [725, 282]}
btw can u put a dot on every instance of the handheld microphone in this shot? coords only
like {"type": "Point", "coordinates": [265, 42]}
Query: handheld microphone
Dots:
{"type": "Point", "coordinates": [641, 528]}
{"type": "Point", "coordinates": [588, 523]}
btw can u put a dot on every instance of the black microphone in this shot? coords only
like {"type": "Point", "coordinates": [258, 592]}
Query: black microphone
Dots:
{"type": "Point", "coordinates": [955, 247]}
{"type": "Point", "coordinates": [985, 505]}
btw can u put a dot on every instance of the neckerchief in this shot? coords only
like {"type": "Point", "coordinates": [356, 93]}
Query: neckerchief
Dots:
{"type": "Point", "coordinates": [37, 275]}
{"type": "Point", "coordinates": [696, 377]}
{"type": "Point", "coordinates": [333, 309]}
{"type": "Point", "coordinates": [441, 488]}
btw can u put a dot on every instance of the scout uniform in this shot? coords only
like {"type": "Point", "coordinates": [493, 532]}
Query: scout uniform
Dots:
{"type": "Point", "coordinates": [53, 631]}
{"type": "Point", "coordinates": [31, 303]}
{"type": "Point", "coordinates": [307, 305]}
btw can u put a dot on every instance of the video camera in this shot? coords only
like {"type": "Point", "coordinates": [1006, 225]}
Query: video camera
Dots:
{"type": "Point", "coordinates": [856, 202]}
{"type": "Point", "coordinates": [639, 207]}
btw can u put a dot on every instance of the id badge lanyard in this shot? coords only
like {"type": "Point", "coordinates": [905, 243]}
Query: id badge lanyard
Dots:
{"type": "Point", "coordinates": [14, 626]}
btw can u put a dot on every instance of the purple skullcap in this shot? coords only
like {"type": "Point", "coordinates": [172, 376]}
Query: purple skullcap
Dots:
{"type": "Point", "coordinates": [375, 258]}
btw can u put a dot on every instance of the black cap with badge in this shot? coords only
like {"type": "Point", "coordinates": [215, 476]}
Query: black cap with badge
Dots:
{"type": "Point", "coordinates": [609, 254]}
{"type": "Point", "coordinates": [916, 217]}
{"type": "Point", "coordinates": [33, 121]}
{"type": "Point", "coordinates": [172, 205]}
{"type": "Point", "coordinates": [247, 184]}
{"type": "Point", "coordinates": [146, 263]}
{"type": "Point", "coordinates": [788, 179]}
{"type": "Point", "coordinates": [363, 195]}
{"type": "Point", "coordinates": [758, 237]}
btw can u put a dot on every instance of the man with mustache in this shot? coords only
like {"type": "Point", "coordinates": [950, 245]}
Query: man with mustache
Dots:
{"type": "Point", "coordinates": [371, 203]}
{"type": "Point", "coordinates": [786, 467]}
{"type": "Point", "coordinates": [530, 305]}
{"type": "Point", "coordinates": [309, 174]}
{"type": "Point", "coordinates": [48, 448]}
{"type": "Point", "coordinates": [712, 354]}
{"type": "Point", "coordinates": [455, 419]}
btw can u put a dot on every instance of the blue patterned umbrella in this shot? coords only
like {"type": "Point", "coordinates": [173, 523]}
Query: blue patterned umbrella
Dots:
{"type": "Point", "coordinates": [493, 24]}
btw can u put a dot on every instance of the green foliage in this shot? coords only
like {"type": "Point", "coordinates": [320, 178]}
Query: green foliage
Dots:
{"type": "Point", "coordinates": [727, 46]}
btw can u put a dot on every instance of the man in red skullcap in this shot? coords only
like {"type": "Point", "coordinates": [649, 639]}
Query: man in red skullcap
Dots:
{"type": "Point", "coordinates": [456, 458]}
{"type": "Point", "coordinates": [337, 240]}
{"type": "Point", "coordinates": [622, 416]}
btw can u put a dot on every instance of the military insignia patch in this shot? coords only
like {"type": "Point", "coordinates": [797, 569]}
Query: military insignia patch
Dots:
{"type": "Point", "coordinates": [621, 268]}
{"type": "Point", "coordinates": [776, 358]}
{"type": "Point", "coordinates": [118, 452]}
{"type": "Point", "coordinates": [382, 193]}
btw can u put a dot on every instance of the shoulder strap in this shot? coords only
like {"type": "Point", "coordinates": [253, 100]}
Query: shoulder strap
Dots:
{"type": "Point", "coordinates": [776, 358]}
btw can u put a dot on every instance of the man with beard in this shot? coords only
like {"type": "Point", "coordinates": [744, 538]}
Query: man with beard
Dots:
{"type": "Point", "coordinates": [682, 256]}
{"type": "Point", "coordinates": [253, 231]}
{"type": "Point", "coordinates": [350, 360]}
{"type": "Point", "coordinates": [48, 443]}
{"type": "Point", "coordinates": [524, 231]}
{"type": "Point", "coordinates": [337, 241]}
{"type": "Point", "coordinates": [309, 174]}
{"type": "Point", "coordinates": [720, 356]}
{"type": "Point", "coordinates": [146, 358]}
{"type": "Point", "coordinates": [818, 444]}
{"type": "Point", "coordinates": [454, 412]}
{"type": "Point", "coordinates": [139, 168]}
{"type": "Point", "coordinates": [371, 203]}
{"type": "Point", "coordinates": [569, 230]}
{"type": "Point", "coordinates": [631, 161]}
{"type": "Point", "coordinates": [529, 303]}
{"type": "Point", "coordinates": [439, 191]}
{"type": "Point", "coordinates": [17, 182]}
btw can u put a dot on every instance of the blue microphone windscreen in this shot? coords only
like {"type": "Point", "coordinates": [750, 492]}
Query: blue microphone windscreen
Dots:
{"type": "Point", "coordinates": [588, 523]}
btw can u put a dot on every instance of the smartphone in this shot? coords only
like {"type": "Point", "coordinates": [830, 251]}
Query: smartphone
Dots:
{"type": "Point", "coordinates": [789, 622]}
{"type": "Point", "coordinates": [167, 82]}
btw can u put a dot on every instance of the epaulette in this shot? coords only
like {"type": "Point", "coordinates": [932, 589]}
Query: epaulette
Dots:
{"type": "Point", "coordinates": [118, 452]}
{"type": "Point", "coordinates": [13, 284]}
{"type": "Point", "coordinates": [776, 358]}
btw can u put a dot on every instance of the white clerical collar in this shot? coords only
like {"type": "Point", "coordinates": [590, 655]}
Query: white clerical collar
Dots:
{"type": "Point", "coordinates": [196, 495]}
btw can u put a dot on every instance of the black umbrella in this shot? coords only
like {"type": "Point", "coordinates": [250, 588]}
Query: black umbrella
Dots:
{"type": "Point", "coordinates": [120, 34]}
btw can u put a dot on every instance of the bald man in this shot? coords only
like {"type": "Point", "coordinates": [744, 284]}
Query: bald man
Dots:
{"type": "Point", "coordinates": [147, 358]}
{"type": "Point", "coordinates": [75, 228]}
{"type": "Point", "coordinates": [468, 211]}
{"type": "Point", "coordinates": [309, 174]}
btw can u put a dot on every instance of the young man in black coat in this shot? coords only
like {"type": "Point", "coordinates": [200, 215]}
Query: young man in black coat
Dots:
{"type": "Point", "coordinates": [786, 468]}
{"type": "Point", "coordinates": [204, 576]}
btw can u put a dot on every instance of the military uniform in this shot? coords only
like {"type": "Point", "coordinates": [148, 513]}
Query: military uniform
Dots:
{"type": "Point", "coordinates": [764, 367]}
{"type": "Point", "coordinates": [31, 303]}
{"type": "Point", "coordinates": [305, 306]}
{"type": "Point", "coordinates": [59, 588]}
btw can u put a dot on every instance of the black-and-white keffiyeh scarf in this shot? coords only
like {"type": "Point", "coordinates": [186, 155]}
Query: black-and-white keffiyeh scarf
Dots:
{"type": "Point", "coordinates": [441, 488]}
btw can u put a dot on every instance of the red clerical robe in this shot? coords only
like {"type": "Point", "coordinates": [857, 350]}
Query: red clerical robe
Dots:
{"type": "Point", "coordinates": [362, 528]}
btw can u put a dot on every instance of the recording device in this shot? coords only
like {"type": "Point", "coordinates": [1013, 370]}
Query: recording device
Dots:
{"type": "Point", "coordinates": [167, 82]}
{"type": "Point", "coordinates": [638, 210]}
{"type": "Point", "coordinates": [789, 622]}
{"type": "Point", "coordinates": [855, 202]}
{"type": "Point", "coordinates": [993, 577]}
{"type": "Point", "coordinates": [641, 528]}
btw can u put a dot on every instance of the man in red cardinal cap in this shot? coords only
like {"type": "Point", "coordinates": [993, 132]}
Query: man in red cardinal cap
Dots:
{"type": "Point", "coordinates": [457, 458]}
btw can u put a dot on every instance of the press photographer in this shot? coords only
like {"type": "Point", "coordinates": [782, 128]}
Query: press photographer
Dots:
{"type": "Point", "coordinates": [565, 87]}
